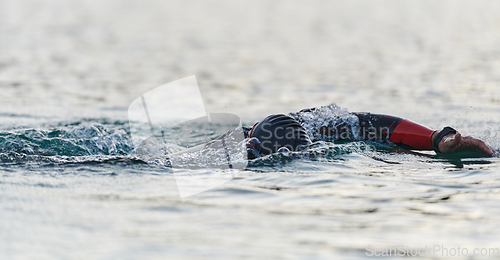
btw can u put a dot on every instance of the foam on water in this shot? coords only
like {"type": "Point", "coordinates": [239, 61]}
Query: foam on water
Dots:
{"type": "Point", "coordinates": [326, 116]}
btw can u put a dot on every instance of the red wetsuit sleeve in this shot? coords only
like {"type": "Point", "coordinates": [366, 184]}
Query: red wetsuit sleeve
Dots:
{"type": "Point", "coordinates": [412, 134]}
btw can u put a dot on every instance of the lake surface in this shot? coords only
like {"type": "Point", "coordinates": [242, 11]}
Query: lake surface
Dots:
{"type": "Point", "coordinates": [71, 186]}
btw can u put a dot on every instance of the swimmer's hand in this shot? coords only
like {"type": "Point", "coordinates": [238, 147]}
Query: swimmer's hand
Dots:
{"type": "Point", "coordinates": [455, 143]}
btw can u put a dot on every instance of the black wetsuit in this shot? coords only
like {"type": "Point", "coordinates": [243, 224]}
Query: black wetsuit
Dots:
{"type": "Point", "coordinates": [331, 124]}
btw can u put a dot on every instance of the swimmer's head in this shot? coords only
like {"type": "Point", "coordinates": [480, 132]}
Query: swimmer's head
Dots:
{"type": "Point", "coordinates": [277, 131]}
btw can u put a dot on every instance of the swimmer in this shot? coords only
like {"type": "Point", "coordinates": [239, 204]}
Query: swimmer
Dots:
{"type": "Point", "coordinates": [290, 132]}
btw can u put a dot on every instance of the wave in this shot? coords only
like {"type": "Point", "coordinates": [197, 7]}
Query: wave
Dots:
{"type": "Point", "coordinates": [107, 142]}
{"type": "Point", "coordinates": [69, 141]}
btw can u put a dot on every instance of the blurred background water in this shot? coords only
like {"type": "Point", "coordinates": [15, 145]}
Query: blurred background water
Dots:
{"type": "Point", "coordinates": [69, 69]}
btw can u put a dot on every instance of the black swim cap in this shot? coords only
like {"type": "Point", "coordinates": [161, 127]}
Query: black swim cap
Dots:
{"type": "Point", "coordinates": [278, 131]}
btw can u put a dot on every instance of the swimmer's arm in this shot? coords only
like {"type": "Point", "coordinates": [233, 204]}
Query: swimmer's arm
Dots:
{"type": "Point", "coordinates": [411, 135]}
{"type": "Point", "coordinates": [455, 143]}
